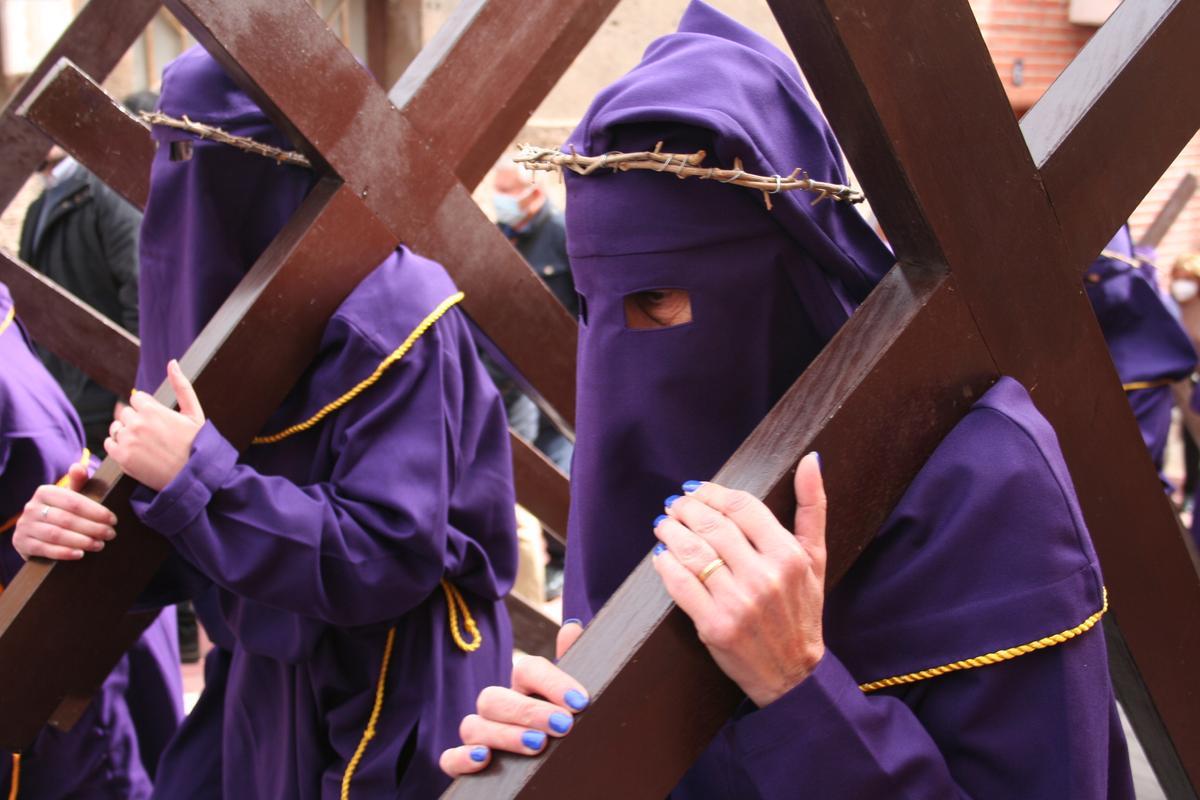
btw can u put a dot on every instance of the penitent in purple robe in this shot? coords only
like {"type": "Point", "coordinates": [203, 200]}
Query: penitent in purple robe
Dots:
{"type": "Point", "coordinates": [40, 437]}
{"type": "Point", "coordinates": [1149, 346]}
{"type": "Point", "coordinates": [313, 548]}
{"type": "Point", "coordinates": [987, 549]}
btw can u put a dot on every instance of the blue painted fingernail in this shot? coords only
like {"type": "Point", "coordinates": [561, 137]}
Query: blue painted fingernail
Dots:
{"type": "Point", "coordinates": [560, 722]}
{"type": "Point", "coordinates": [691, 486]}
{"type": "Point", "coordinates": [820, 466]}
{"type": "Point", "coordinates": [660, 519]}
{"type": "Point", "coordinates": [659, 549]}
{"type": "Point", "coordinates": [578, 622]}
{"type": "Point", "coordinates": [670, 500]}
{"type": "Point", "coordinates": [576, 699]}
{"type": "Point", "coordinates": [533, 739]}
{"type": "Point", "coordinates": [479, 754]}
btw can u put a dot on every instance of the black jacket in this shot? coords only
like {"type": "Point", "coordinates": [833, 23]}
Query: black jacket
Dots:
{"type": "Point", "coordinates": [543, 243]}
{"type": "Point", "coordinates": [88, 244]}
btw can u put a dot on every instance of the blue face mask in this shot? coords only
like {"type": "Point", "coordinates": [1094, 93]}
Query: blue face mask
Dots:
{"type": "Point", "coordinates": [508, 208]}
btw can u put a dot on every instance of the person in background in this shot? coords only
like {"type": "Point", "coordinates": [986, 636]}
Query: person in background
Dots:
{"type": "Point", "coordinates": [1185, 291]}
{"type": "Point", "coordinates": [1149, 347]}
{"type": "Point", "coordinates": [82, 235]}
{"type": "Point", "coordinates": [41, 442]}
{"type": "Point", "coordinates": [537, 230]}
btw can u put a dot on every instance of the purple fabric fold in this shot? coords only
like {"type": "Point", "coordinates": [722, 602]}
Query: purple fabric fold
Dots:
{"type": "Point", "coordinates": [316, 546]}
{"type": "Point", "coordinates": [987, 550]}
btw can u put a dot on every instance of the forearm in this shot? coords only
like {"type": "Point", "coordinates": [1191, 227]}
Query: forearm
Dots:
{"type": "Point", "coordinates": [298, 548]}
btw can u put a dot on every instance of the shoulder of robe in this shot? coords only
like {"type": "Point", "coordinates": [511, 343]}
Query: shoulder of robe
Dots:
{"type": "Point", "coordinates": [987, 550]}
{"type": "Point", "coordinates": [391, 302]}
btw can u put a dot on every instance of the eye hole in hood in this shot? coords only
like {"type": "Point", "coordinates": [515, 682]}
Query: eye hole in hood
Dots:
{"type": "Point", "coordinates": [657, 308]}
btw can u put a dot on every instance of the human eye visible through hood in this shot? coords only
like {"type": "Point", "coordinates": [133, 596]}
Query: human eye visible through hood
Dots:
{"type": "Point", "coordinates": [657, 308]}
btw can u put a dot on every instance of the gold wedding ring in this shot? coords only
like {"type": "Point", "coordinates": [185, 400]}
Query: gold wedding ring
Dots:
{"type": "Point", "coordinates": [712, 567]}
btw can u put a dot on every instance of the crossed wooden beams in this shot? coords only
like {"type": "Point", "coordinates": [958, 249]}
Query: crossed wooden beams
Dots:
{"type": "Point", "coordinates": [386, 181]}
{"type": "Point", "coordinates": [993, 225]}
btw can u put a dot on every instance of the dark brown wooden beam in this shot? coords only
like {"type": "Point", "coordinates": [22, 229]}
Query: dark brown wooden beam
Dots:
{"type": "Point", "coordinates": [95, 40]}
{"type": "Point", "coordinates": [1111, 125]}
{"type": "Point", "coordinates": [1022, 249]}
{"type": "Point", "coordinates": [1169, 213]}
{"type": "Point", "coordinates": [1004, 246]}
{"type": "Point", "coordinates": [95, 129]}
{"type": "Point", "coordinates": [533, 632]}
{"type": "Point", "coordinates": [69, 328]}
{"type": "Point", "coordinates": [541, 487]}
{"type": "Point", "coordinates": [64, 109]}
{"type": "Point", "coordinates": [873, 389]}
{"type": "Point", "coordinates": [394, 37]}
{"type": "Point", "coordinates": [496, 88]}
{"type": "Point", "coordinates": [328, 242]}
{"type": "Point", "coordinates": [350, 128]}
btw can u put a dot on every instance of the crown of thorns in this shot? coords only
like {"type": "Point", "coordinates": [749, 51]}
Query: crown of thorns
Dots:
{"type": "Point", "coordinates": [217, 135]}
{"type": "Point", "coordinates": [685, 166]}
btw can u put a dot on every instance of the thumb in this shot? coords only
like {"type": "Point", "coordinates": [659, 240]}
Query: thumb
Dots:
{"type": "Point", "coordinates": [568, 634]}
{"type": "Point", "coordinates": [77, 476]}
{"type": "Point", "coordinates": [810, 504]}
{"type": "Point", "coordinates": [189, 404]}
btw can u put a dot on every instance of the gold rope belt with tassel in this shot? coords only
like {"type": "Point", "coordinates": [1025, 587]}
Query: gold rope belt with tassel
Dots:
{"type": "Point", "coordinates": [456, 604]}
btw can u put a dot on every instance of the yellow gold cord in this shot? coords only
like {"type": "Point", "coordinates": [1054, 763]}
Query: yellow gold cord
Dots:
{"type": "Point", "coordinates": [456, 604]}
{"type": "Point", "coordinates": [1133, 387]}
{"type": "Point", "coordinates": [366, 383]}
{"type": "Point", "coordinates": [369, 732]}
{"type": "Point", "coordinates": [8, 318]}
{"type": "Point", "coordinates": [15, 786]}
{"type": "Point", "coordinates": [992, 658]}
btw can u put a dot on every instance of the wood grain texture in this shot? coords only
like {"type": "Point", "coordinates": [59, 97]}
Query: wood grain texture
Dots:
{"type": "Point", "coordinates": [1169, 213]}
{"type": "Point", "coordinates": [1016, 247]}
{"type": "Point", "coordinates": [64, 108]}
{"type": "Point", "coordinates": [69, 328]}
{"type": "Point", "coordinates": [1113, 121]}
{"type": "Point", "coordinates": [328, 242]}
{"type": "Point", "coordinates": [462, 75]}
{"type": "Point", "coordinates": [97, 38]}
{"type": "Point", "coordinates": [402, 176]}
{"type": "Point", "coordinates": [73, 111]}
{"type": "Point", "coordinates": [1005, 248]}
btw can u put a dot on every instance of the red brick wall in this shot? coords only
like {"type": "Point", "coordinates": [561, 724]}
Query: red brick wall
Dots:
{"type": "Point", "coordinates": [1037, 31]}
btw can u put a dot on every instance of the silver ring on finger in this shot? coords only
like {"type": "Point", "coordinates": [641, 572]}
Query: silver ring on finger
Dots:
{"type": "Point", "coordinates": [710, 568]}
{"type": "Point", "coordinates": [45, 512]}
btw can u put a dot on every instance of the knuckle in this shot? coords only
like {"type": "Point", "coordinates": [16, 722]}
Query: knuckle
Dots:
{"type": "Point", "coordinates": [737, 500]}
{"type": "Point", "coordinates": [490, 698]}
{"type": "Point", "coordinates": [717, 633]}
{"type": "Point", "coordinates": [528, 669]}
{"type": "Point", "coordinates": [469, 727]}
{"type": "Point", "coordinates": [707, 524]}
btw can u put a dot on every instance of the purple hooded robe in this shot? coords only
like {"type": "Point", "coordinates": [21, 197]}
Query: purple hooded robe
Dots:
{"type": "Point", "coordinates": [987, 549]}
{"type": "Point", "coordinates": [313, 548]}
{"type": "Point", "coordinates": [1147, 342]}
{"type": "Point", "coordinates": [40, 438]}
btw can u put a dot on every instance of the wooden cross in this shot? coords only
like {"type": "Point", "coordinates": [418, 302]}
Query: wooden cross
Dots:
{"type": "Point", "coordinates": [993, 225]}
{"type": "Point", "coordinates": [984, 220]}
{"type": "Point", "coordinates": [389, 175]}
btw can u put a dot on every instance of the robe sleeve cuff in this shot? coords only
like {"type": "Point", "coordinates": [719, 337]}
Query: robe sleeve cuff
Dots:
{"type": "Point", "coordinates": [804, 717]}
{"type": "Point", "coordinates": [171, 510]}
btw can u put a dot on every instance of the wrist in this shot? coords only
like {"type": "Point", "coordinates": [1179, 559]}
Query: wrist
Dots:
{"type": "Point", "coordinates": [788, 678]}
